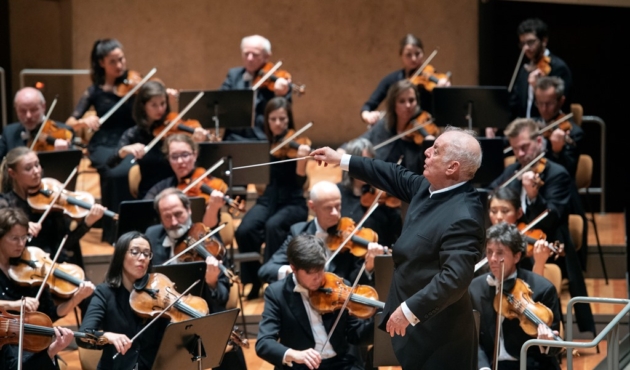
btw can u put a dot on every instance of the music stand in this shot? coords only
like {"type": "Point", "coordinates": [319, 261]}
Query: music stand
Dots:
{"type": "Point", "coordinates": [492, 164]}
{"type": "Point", "coordinates": [237, 154]}
{"type": "Point", "coordinates": [59, 164]}
{"type": "Point", "coordinates": [184, 275]}
{"type": "Point", "coordinates": [220, 108]}
{"type": "Point", "coordinates": [138, 215]}
{"type": "Point", "coordinates": [197, 343]}
{"type": "Point", "coordinates": [471, 106]}
{"type": "Point", "coordinates": [383, 351]}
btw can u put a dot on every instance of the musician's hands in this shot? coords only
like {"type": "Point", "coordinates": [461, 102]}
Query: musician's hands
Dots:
{"type": "Point", "coordinates": [370, 117]}
{"type": "Point", "coordinates": [119, 341]}
{"type": "Point", "coordinates": [200, 135]}
{"type": "Point", "coordinates": [61, 144]}
{"type": "Point", "coordinates": [137, 150]}
{"type": "Point", "coordinates": [530, 184]}
{"type": "Point", "coordinates": [397, 323]}
{"type": "Point", "coordinates": [327, 156]}
{"type": "Point", "coordinates": [91, 122]}
{"type": "Point", "coordinates": [95, 214]}
{"type": "Point", "coordinates": [30, 305]}
{"type": "Point", "coordinates": [63, 337]}
{"type": "Point", "coordinates": [85, 290]}
{"type": "Point", "coordinates": [172, 92]}
{"type": "Point", "coordinates": [374, 249]}
{"type": "Point", "coordinates": [281, 87]}
{"type": "Point", "coordinates": [303, 150]}
{"type": "Point", "coordinates": [212, 271]}
{"type": "Point", "coordinates": [34, 228]}
{"type": "Point", "coordinates": [309, 357]}
{"type": "Point", "coordinates": [557, 140]}
{"type": "Point", "coordinates": [545, 332]}
{"type": "Point", "coordinates": [443, 82]}
{"type": "Point", "coordinates": [541, 252]}
{"type": "Point", "coordinates": [533, 77]}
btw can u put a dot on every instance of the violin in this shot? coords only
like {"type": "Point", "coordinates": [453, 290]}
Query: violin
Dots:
{"type": "Point", "coordinates": [363, 302]}
{"type": "Point", "coordinates": [531, 236]}
{"type": "Point", "coordinates": [75, 204]}
{"type": "Point", "coordinates": [428, 78]}
{"type": "Point", "coordinates": [288, 150]}
{"type": "Point", "coordinates": [369, 194]}
{"type": "Point", "coordinates": [182, 127]}
{"type": "Point", "coordinates": [205, 188]}
{"type": "Point", "coordinates": [358, 244]}
{"type": "Point", "coordinates": [544, 65]}
{"type": "Point", "coordinates": [38, 332]}
{"type": "Point", "coordinates": [47, 136]}
{"type": "Point", "coordinates": [211, 246]}
{"type": "Point", "coordinates": [129, 82]}
{"type": "Point", "coordinates": [418, 135]}
{"type": "Point", "coordinates": [33, 265]}
{"type": "Point", "coordinates": [156, 291]}
{"type": "Point", "coordinates": [270, 83]}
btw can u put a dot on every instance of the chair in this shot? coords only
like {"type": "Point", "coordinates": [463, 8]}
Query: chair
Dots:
{"type": "Point", "coordinates": [578, 112]}
{"type": "Point", "coordinates": [509, 160]}
{"type": "Point", "coordinates": [89, 358]}
{"type": "Point", "coordinates": [134, 180]}
{"type": "Point", "coordinates": [554, 275]}
{"type": "Point", "coordinates": [227, 233]}
{"type": "Point", "coordinates": [576, 230]}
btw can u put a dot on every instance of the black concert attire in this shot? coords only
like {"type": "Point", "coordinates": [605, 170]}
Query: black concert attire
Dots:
{"type": "Point", "coordinates": [15, 135]}
{"type": "Point", "coordinates": [11, 291]}
{"type": "Point", "coordinates": [514, 337]}
{"type": "Point", "coordinates": [570, 153]}
{"type": "Point", "coordinates": [103, 145]}
{"type": "Point", "coordinates": [426, 98]}
{"type": "Point", "coordinates": [286, 324]}
{"type": "Point", "coordinates": [169, 182]}
{"type": "Point", "coordinates": [522, 100]}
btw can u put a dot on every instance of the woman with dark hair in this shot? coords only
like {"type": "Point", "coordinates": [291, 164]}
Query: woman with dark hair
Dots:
{"type": "Point", "coordinates": [111, 312]}
{"type": "Point", "coordinates": [281, 205]}
{"type": "Point", "coordinates": [412, 57]}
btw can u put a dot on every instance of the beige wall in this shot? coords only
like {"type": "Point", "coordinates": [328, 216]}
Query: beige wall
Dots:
{"type": "Point", "coordinates": [338, 49]}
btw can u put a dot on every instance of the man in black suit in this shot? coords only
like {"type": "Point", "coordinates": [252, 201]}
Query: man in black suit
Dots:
{"type": "Point", "coordinates": [255, 52]}
{"type": "Point", "coordinates": [292, 334]}
{"type": "Point", "coordinates": [30, 106]}
{"type": "Point", "coordinates": [428, 311]}
{"type": "Point", "coordinates": [504, 242]}
{"type": "Point", "coordinates": [549, 189]}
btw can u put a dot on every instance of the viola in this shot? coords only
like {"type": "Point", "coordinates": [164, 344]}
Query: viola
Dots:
{"type": "Point", "coordinates": [156, 291]}
{"type": "Point", "coordinates": [543, 64]}
{"type": "Point", "coordinates": [47, 136]}
{"type": "Point", "coordinates": [358, 243]}
{"type": "Point", "coordinates": [33, 265]}
{"type": "Point", "coordinates": [211, 246]}
{"type": "Point", "coordinates": [418, 135]}
{"type": "Point", "coordinates": [182, 127]}
{"type": "Point", "coordinates": [363, 302]}
{"type": "Point", "coordinates": [129, 82]}
{"type": "Point", "coordinates": [428, 78]}
{"type": "Point", "coordinates": [369, 194]}
{"type": "Point", "coordinates": [205, 188]}
{"type": "Point", "coordinates": [270, 83]}
{"type": "Point", "coordinates": [289, 150]}
{"type": "Point", "coordinates": [75, 204]}
{"type": "Point", "coordinates": [38, 332]}
{"type": "Point", "coordinates": [531, 236]}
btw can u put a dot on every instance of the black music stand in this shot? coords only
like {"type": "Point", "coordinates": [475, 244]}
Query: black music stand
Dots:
{"type": "Point", "coordinates": [138, 215]}
{"type": "Point", "coordinates": [383, 351]}
{"type": "Point", "coordinates": [220, 108]}
{"type": "Point", "coordinates": [237, 154]}
{"type": "Point", "coordinates": [59, 164]}
{"type": "Point", "coordinates": [184, 275]}
{"type": "Point", "coordinates": [196, 344]}
{"type": "Point", "coordinates": [471, 106]}
{"type": "Point", "coordinates": [492, 164]}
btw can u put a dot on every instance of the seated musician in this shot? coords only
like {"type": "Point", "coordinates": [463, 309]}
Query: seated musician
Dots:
{"type": "Point", "coordinates": [325, 202]}
{"type": "Point", "coordinates": [504, 242]}
{"type": "Point", "coordinates": [13, 237]}
{"type": "Point", "coordinates": [546, 186]}
{"type": "Point", "coordinates": [30, 106]}
{"type": "Point", "coordinates": [21, 178]}
{"type": "Point", "coordinates": [292, 334]}
{"type": "Point", "coordinates": [412, 57]}
{"type": "Point", "coordinates": [563, 147]}
{"type": "Point", "coordinates": [255, 53]}
{"type": "Point", "coordinates": [385, 221]}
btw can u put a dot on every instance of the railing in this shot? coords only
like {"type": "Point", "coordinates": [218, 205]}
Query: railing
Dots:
{"type": "Point", "coordinates": [602, 173]}
{"type": "Point", "coordinates": [51, 72]}
{"type": "Point", "coordinates": [3, 92]}
{"type": "Point", "coordinates": [611, 331]}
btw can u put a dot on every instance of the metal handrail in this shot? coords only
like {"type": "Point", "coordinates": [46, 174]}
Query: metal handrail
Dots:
{"type": "Point", "coordinates": [51, 72]}
{"type": "Point", "coordinates": [3, 91]}
{"type": "Point", "coordinates": [602, 155]}
{"type": "Point", "coordinates": [611, 331]}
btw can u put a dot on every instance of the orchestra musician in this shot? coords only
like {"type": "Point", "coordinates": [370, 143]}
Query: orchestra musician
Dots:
{"type": "Point", "coordinates": [412, 57]}
{"type": "Point", "coordinates": [533, 37]}
{"type": "Point", "coordinates": [544, 189]}
{"type": "Point", "coordinates": [30, 106]}
{"type": "Point", "coordinates": [13, 237]}
{"type": "Point", "coordinates": [441, 240]}
{"type": "Point", "coordinates": [292, 334]}
{"type": "Point", "coordinates": [281, 205]}
{"type": "Point", "coordinates": [504, 242]}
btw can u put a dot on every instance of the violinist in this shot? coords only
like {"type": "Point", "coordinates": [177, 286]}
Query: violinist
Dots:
{"type": "Point", "coordinates": [111, 312]}
{"type": "Point", "coordinates": [504, 242]}
{"type": "Point", "coordinates": [412, 57]}
{"type": "Point", "coordinates": [544, 188]}
{"type": "Point", "coordinates": [30, 106]}
{"type": "Point", "coordinates": [255, 53]}
{"type": "Point", "coordinates": [292, 334]}
{"type": "Point", "coordinates": [13, 236]}
{"type": "Point", "coordinates": [281, 205]}
{"type": "Point", "coordinates": [21, 178]}
{"type": "Point", "coordinates": [533, 37]}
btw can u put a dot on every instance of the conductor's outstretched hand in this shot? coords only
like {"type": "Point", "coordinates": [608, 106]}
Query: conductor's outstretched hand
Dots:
{"type": "Point", "coordinates": [327, 156]}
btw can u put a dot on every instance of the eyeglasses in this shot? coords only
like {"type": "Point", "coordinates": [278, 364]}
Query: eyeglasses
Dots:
{"type": "Point", "coordinates": [137, 252]}
{"type": "Point", "coordinates": [17, 239]}
{"type": "Point", "coordinates": [530, 43]}
{"type": "Point", "coordinates": [184, 156]}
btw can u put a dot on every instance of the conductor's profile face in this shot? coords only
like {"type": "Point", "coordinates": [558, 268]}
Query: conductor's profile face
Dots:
{"type": "Point", "coordinates": [311, 280]}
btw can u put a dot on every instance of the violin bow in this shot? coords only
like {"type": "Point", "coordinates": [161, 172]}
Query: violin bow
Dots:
{"type": "Point", "coordinates": [205, 174]}
{"type": "Point", "coordinates": [498, 323]}
{"type": "Point", "coordinates": [546, 128]}
{"type": "Point", "coordinates": [288, 140]}
{"type": "Point", "coordinates": [518, 64]}
{"type": "Point", "coordinates": [267, 75]}
{"type": "Point", "coordinates": [41, 127]}
{"type": "Point", "coordinates": [122, 101]}
{"type": "Point", "coordinates": [402, 134]}
{"type": "Point", "coordinates": [56, 196]}
{"type": "Point", "coordinates": [173, 122]}
{"type": "Point", "coordinates": [160, 314]}
{"type": "Point", "coordinates": [52, 267]}
{"type": "Point", "coordinates": [271, 163]}
{"type": "Point", "coordinates": [189, 248]}
{"type": "Point", "coordinates": [21, 334]}
{"type": "Point", "coordinates": [522, 170]}
{"type": "Point", "coordinates": [424, 65]}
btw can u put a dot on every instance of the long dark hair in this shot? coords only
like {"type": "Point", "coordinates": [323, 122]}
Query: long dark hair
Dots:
{"type": "Point", "coordinates": [100, 50]}
{"type": "Point", "coordinates": [149, 90]}
{"type": "Point", "coordinates": [412, 40]}
{"type": "Point", "coordinates": [275, 104]}
{"type": "Point", "coordinates": [507, 194]}
{"type": "Point", "coordinates": [115, 271]}
{"type": "Point", "coordinates": [390, 101]}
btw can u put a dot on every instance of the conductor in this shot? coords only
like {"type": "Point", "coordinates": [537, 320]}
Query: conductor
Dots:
{"type": "Point", "coordinates": [428, 311]}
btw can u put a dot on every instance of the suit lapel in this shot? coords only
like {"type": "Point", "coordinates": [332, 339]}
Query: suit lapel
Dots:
{"type": "Point", "coordinates": [296, 307]}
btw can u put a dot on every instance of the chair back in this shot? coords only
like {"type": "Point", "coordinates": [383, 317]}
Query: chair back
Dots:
{"type": "Point", "coordinates": [578, 112]}
{"type": "Point", "coordinates": [227, 233]}
{"type": "Point", "coordinates": [134, 180]}
{"type": "Point", "coordinates": [89, 358]}
{"type": "Point", "coordinates": [584, 171]}
{"type": "Point", "coordinates": [554, 275]}
{"type": "Point", "coordinates": [509, 160]}
{"type": "Point", "coordinates": [576, 229]}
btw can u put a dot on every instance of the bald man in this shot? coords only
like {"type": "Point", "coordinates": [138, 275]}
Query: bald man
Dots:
{"type": "Point", "coordinates": [428, 311]}
{"type": "Point", "coordinates": [30, 106]}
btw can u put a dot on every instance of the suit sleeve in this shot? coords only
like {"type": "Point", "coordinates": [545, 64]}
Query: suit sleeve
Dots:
{"type": "Point", "coordinates": [551, 300]}
{"type": "Point", "coordinates": [94, 316]}
{"type": "Point", "coordinates": [378, 95]}
{"type": "Point", "coordinates": [40, 360]}
{"type": "Point", "coordinates": [360, 332]}
{"type": "Point", "coordinates": [570, 154]}
{"type": "Point", "coordinates": [227, 83]}
{"type": "Point", "coordinates": [555, 196]}
{"type": "Point", "coordinates": [268, 272]}
{"type": "Point", "coordinates": [3, 146]}
{"type": "Point", "coordinates": [218, 297]}
{"type": "Point", "coordinates": [267, 346]}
